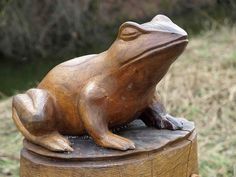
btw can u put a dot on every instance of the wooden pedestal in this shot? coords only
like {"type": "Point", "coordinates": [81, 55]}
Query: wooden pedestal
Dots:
{"type": "Point", "coordinates": [158, 153]}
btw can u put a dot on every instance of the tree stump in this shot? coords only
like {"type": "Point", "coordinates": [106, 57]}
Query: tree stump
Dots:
{"type": "Point", "coordinates": [158, 153]}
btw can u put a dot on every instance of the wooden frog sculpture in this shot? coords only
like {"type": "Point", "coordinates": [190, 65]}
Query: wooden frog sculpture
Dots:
{"type": "Point", "coordinates": [93, 93]}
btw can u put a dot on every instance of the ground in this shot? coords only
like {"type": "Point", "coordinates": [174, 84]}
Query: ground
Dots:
{"type": "Point", "coordinates": [200, 86]}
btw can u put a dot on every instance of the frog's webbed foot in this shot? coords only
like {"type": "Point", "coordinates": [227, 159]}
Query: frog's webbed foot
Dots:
{"type": "Point", "coordinates": [114, 141]}
{"type": "Point", "coordinates": [156, 116]}
{"type": "Point", "coordinates": [162, 121]}
{"type": "Point", "coordinates": [55, 142]}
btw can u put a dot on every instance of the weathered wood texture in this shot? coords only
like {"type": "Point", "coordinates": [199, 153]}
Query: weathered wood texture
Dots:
{"type": "Point", "coordinates": [158, 153]}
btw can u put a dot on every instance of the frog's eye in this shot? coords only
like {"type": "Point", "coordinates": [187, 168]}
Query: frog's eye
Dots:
{"type": "Point", "coordinates": [128, 33]}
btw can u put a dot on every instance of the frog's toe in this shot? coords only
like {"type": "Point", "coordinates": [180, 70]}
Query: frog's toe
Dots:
{"type": "Point", "coordinates": [175, 123]}
{"type": "Point", "coordinates": [60, 145]}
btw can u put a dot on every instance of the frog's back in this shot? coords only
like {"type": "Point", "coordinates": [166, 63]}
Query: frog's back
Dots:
{"type": "Point", "coordinates": [78, 61]}
{"type": "Point", "coordinates": [70, 74]}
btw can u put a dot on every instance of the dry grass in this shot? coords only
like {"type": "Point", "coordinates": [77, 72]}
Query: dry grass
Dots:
{"type": "Point", "coordinates": [200, 86]}
{"type": "Point", "coordinates": [10, 142]}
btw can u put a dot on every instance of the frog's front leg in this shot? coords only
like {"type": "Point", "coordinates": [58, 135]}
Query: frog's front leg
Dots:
{"type": "Point", "coordinates": [155, 115]}
{"type": "Point", "coordinates": [93, 108]}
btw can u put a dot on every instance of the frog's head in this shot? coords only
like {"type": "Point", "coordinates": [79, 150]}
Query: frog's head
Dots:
{"type": "Point", "coordinates": [158, 42]}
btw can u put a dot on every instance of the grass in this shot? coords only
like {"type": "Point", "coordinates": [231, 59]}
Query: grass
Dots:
{"type": "Point", "coordinates": [200, 86]}
{"type": "Point", "coordinates": [10, 142]}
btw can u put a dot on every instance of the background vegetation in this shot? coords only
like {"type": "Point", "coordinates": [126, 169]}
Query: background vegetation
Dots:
{"type": "Point", "coordinates": [36, 35]}
{"type": "Point", "coordinates": [201, 85]}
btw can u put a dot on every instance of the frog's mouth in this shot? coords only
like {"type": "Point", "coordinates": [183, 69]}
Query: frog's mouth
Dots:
{"type": "Point", "coordinates": [157, 49]}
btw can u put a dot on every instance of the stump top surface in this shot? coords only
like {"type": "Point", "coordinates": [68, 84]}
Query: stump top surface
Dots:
{"type": "Point", "coordinates": [146, 140]}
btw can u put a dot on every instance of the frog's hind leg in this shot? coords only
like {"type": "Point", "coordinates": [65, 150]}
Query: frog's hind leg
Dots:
{"type": "Point", "coordinates": [34, 116]}
{"type": "Point", "coordinates": [156, 116]}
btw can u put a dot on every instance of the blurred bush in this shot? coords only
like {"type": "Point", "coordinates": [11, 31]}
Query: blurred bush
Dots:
{"type": "Point", "coordinates": [32, 28]}
{"type": "Point", "coordinates": [56, 28]}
